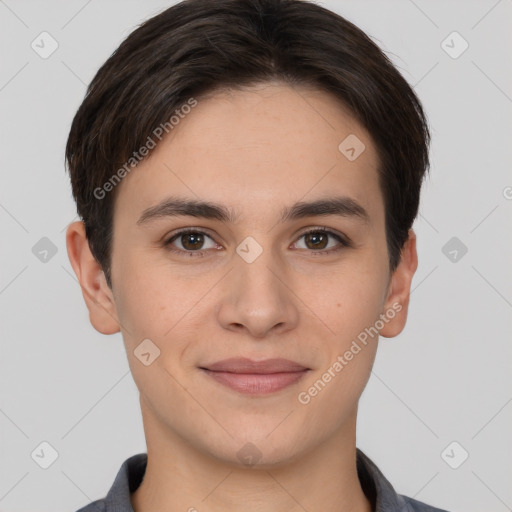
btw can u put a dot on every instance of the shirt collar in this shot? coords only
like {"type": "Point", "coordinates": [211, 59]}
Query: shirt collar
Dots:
{"type": "Point", "coordinates": [377, 488]}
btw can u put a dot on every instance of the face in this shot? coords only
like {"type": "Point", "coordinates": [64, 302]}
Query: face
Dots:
{"type": "Point", "coordinates": [255, 275]}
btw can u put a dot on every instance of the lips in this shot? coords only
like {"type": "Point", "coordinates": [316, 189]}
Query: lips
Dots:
{"type": "Point", "coordinates": [256, 377]}
{"type": "Point", "coordinates": [245, 365]}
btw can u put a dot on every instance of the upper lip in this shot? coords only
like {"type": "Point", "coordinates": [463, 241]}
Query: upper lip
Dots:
{"type": "Point", "coordinates": [245, 365]}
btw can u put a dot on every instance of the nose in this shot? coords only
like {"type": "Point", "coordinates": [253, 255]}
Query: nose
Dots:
{"type": "Point", "coordinates": [257, 299]}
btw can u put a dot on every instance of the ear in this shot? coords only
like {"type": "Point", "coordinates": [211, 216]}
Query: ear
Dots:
{"type": "Point", "coordinates": [399, 289]}
{"type": "Point", "coordinates": [97, 294]}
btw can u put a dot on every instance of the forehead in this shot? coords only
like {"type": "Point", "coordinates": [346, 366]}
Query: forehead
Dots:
{"type": "Point", "coordinates": [259, 147]}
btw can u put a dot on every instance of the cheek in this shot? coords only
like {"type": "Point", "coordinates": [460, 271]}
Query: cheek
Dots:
{"type": "Point", "coordinates": [349, 298]}
{"type": "Point", "coordinates": [143, 299]}
{"type": "Point", "coordinates": [350, 308]}
{"type": "Point", "coordinates": [156, 302]}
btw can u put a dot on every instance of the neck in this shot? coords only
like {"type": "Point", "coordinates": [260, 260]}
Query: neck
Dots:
{"type": "Point", "coordinates": [179, 477]}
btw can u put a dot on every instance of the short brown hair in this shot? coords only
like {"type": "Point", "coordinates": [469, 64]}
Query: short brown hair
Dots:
{"type": "Point", "coordinates": [197, 46]}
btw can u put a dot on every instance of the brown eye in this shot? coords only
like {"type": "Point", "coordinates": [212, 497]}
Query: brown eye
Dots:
{"type": "Point", "coordinates": [192, 241]}
{"type": "Point", "coordinates": [316, 240]}
{"type": "Point", "coordinates": [321, 241]}
{"type": "Point", "coordinates": [189, 241]}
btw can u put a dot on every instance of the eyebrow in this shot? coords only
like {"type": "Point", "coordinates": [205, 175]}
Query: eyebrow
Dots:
{"type": "Point", "coordinates": [175, 207]}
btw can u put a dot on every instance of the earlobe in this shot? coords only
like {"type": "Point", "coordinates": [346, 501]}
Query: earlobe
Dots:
{"type": "Point", "coordinates": [397, 301]}
{"type": "Point", "coordinates": [96, 292]}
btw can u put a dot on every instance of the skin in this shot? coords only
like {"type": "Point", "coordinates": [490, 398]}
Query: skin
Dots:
{"type": "Point", "coordinates": [255, 151]}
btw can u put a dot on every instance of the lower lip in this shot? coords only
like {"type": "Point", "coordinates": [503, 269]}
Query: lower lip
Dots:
{"type": "Point", "coordinates": [257, 384]}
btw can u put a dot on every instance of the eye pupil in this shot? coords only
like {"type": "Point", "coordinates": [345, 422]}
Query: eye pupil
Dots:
{"type": "Point", "coordinates": [317, 239]}
{"type": "Point", "coordinates": [196, 240]}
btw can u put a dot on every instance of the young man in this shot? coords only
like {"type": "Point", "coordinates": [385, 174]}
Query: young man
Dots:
{"type": "Point", "coordinates": [248, 172]}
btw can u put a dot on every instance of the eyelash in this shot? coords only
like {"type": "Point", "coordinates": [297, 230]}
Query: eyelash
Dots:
{"type": "Point", "coordinates": [344, 242]}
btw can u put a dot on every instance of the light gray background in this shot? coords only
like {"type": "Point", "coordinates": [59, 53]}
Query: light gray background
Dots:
{"type": "Point", "coordinates": [446, 378]}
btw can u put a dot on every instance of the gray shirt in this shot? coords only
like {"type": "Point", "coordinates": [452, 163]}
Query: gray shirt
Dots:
{"type": "Point", "coordinates": [377, 489]}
